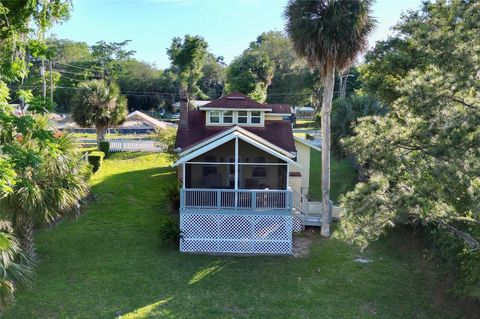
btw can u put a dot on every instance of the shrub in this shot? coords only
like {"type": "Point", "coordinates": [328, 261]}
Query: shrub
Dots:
{"type": "Point", "coordinates": [95, 159]}
{"type": "Point", "coordinates": [172, 192]}
{"type": "Point", "coordinates": [166, 139]}
{"type": "Point", "coordinates": [104, 147]}
{"type": "Point", "coordinates": [170, 229]}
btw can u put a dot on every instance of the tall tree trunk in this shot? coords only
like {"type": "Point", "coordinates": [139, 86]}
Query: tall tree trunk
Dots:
{"type": "Point", "coordinates": [26, 229]}
{"type": "Point", "coordinates": [329, 82]}
{"type": "Point", "coordinates": [101, 134]}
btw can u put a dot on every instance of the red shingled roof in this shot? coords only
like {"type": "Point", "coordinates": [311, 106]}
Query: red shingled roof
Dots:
{"type": "Point", "coordinates": [236, 101]}
{"type": "Point", "coordinates": [278, 133]}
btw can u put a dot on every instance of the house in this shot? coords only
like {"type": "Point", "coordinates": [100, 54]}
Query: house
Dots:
{"type": "Point", "coordinates": [139, 120]}
{"type": "Point", "coordinates": [242, 174]}
{"type": "Point", "coordinates": [136, 122]}
{"type": "Point", "coordinates": [304, 113]}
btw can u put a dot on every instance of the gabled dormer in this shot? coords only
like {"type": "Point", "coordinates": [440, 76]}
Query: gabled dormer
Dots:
{"type": "Point", "coordinates": [235, 109]}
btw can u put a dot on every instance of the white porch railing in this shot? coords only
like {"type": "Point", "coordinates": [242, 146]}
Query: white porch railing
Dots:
{"type": "Point", "coordinates": [235, 199]}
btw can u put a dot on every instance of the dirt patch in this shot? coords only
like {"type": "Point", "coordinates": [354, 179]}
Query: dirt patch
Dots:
{"type": "Point", "coordinates": [301, 244]}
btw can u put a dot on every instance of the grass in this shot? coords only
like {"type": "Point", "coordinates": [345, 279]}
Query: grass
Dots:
{"type": "Point", "coordinates": [306, 124]}
{"type": "Point", "coordinates": [342, 175]}
{"type": "Point", "coordinates": [111, 262]}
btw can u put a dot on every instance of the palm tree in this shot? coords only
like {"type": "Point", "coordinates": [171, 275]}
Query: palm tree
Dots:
{"type": "Point", "coordinates": [329, 34]}
{"type": "Point", "coordinates": [15, 266]}
{"type": "Point", "coordinates": [98, 103]}
{"type": "Point", "coordinates": [48, 191]}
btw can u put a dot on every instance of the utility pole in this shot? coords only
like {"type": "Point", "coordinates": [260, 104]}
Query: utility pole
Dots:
{"type": "Point", "coordinates": [44, 82]}
{"type": "Point", "coordinates": [343, 85]}
{"type": "Point", "coordinates": [51, 80]}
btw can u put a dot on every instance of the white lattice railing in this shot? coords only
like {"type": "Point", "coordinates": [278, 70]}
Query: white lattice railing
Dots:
{"type": "Point", "coordinates": [217, 231]}
{"type": "Point", "coordinates": [236, 199]}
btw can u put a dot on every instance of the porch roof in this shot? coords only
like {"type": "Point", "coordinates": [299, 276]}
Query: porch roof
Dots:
{"type": "Point", "coordinates": [230, 134]}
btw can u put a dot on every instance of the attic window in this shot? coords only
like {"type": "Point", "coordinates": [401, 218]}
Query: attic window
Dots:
{"type": "Point", "coordinates": [235, 98]}
{"type": "Point", "coordinates": [214, 117]}
{"type": "Point", "coordinates": [256, 117]}
{"type": "Point", "coordinates": [228, 117]}
{"type": "Point", "coordinates": [242, 117]}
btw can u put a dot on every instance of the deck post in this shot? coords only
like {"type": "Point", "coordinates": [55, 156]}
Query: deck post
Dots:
{"type": "Point", "coordinates": [219, 198]}
{"type": "Point", "coordinates": [254, 200]}
{"type": "Point", "coordinates": [183, 175]}
{"type": "Point", "coordinates": [182, 198]}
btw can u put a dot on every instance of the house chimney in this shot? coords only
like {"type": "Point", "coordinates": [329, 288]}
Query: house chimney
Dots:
{"type": "Point", "coordinates": [183, 123]}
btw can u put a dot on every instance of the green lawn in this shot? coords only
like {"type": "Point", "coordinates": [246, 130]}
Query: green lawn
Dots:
{"type": "Point", "coordinates": [342, 175]}
{"type": "Point", "coordinates": [306, 124]}
{"type": "Point", "coordinates": [111, 261]}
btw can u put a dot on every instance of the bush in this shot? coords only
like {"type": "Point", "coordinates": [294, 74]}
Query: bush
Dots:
{"type": "Point", "coordinates": [170, 229]}
{"type": "Point", "coordinates": [172, 192]}
{"type": "Point", "coordinates": [104, 147]}
{"type": "Point", "coordinates": [95, 159]}
{"type": "Point", "coordinates": [166, 139]}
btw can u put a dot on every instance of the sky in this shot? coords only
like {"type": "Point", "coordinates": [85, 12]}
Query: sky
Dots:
{"type": "Point", "coordinates": [227, 25]}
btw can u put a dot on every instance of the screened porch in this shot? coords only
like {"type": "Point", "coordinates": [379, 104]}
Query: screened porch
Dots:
{"type": "Point", "coordinates": [236, 175]}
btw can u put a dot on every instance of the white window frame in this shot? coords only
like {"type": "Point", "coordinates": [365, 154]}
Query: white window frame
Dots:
{"type": "Point", "coordinates": [235, 118]}
{"type": "Point", "coordinates": [210, 115]}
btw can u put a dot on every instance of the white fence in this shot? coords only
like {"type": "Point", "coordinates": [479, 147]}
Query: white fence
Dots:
{"type": "Point", "coordinates": [126, 145]}
{"type": "Point", "coordinates": [131, 145]}
{"type": "Point", "coordinates": [213, 231]}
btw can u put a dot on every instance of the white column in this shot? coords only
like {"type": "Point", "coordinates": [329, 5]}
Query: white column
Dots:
{"type": "Point", "coordinates": [236, 172]}
{"type": "Point", "coordinates": [183, 174]}
{"type": "Point", "coordinates": [236, 163]}
{"type": "Point", "coordinates": [288, 176]}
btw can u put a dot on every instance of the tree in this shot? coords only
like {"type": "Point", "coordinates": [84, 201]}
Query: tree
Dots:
{"type": "Point", "coordinates": [213, 79]}
{"type": "Point", "coordinates": [423, 157]}
{"type": "Point", "coordinates": [329, 34]}
{"type": "Point", "coordinates": [251, 73]}
{"type": "Point", "coordinates": [15, 266]}
{"type": "Point", "coordinates": [99, 104]}
{"type": "Point", "coordinates": [44, 190]}
{"type": "Point", "coordinates": [187, 56]}
{"type": "Point", "coordinates": [345, 115]}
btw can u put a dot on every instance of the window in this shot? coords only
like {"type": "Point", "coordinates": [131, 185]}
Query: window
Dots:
{"type": "Point", "coordinates": [242, 117]}
{"type": "Point", "coordinates": [214, 117]}
{"type": "Point", "coordinates": [227, 117]}
{"type": "Point", "coordinates": [256, 117]}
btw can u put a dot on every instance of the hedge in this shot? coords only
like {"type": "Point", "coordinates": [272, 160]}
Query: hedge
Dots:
{"type": "Point", "coordinates": [95, 159]}
{"type": "Point", "coordinates": [104, 147]}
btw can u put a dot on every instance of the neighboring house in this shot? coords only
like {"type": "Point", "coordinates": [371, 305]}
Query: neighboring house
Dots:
{"type": "Point", "coordinates": [304, 113]}
{"type": "Point", "coordinates": [139, 120]}
{"type": "Point", "coordinates": [136, 122]}
{"type": "Point", "coordinates": [242, 174]}
{"type": "Point", "coordinates": [195, 103]}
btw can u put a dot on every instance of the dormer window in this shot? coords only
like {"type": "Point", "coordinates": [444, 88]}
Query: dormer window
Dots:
{"type": "Point", "coordinates": [214, 117]}
{"type": "Point", "coordinates": [228, 117]}
{"type": "Point", "coordinates": [256, 117]}
{"type": "Point", "coordinates": [232, 117]}
{"type": "Point", "coordinates": [242, 117]}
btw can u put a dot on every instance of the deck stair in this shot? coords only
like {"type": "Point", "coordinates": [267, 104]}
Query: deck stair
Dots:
{"type": "Point", "coordinates": [310, 212]}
